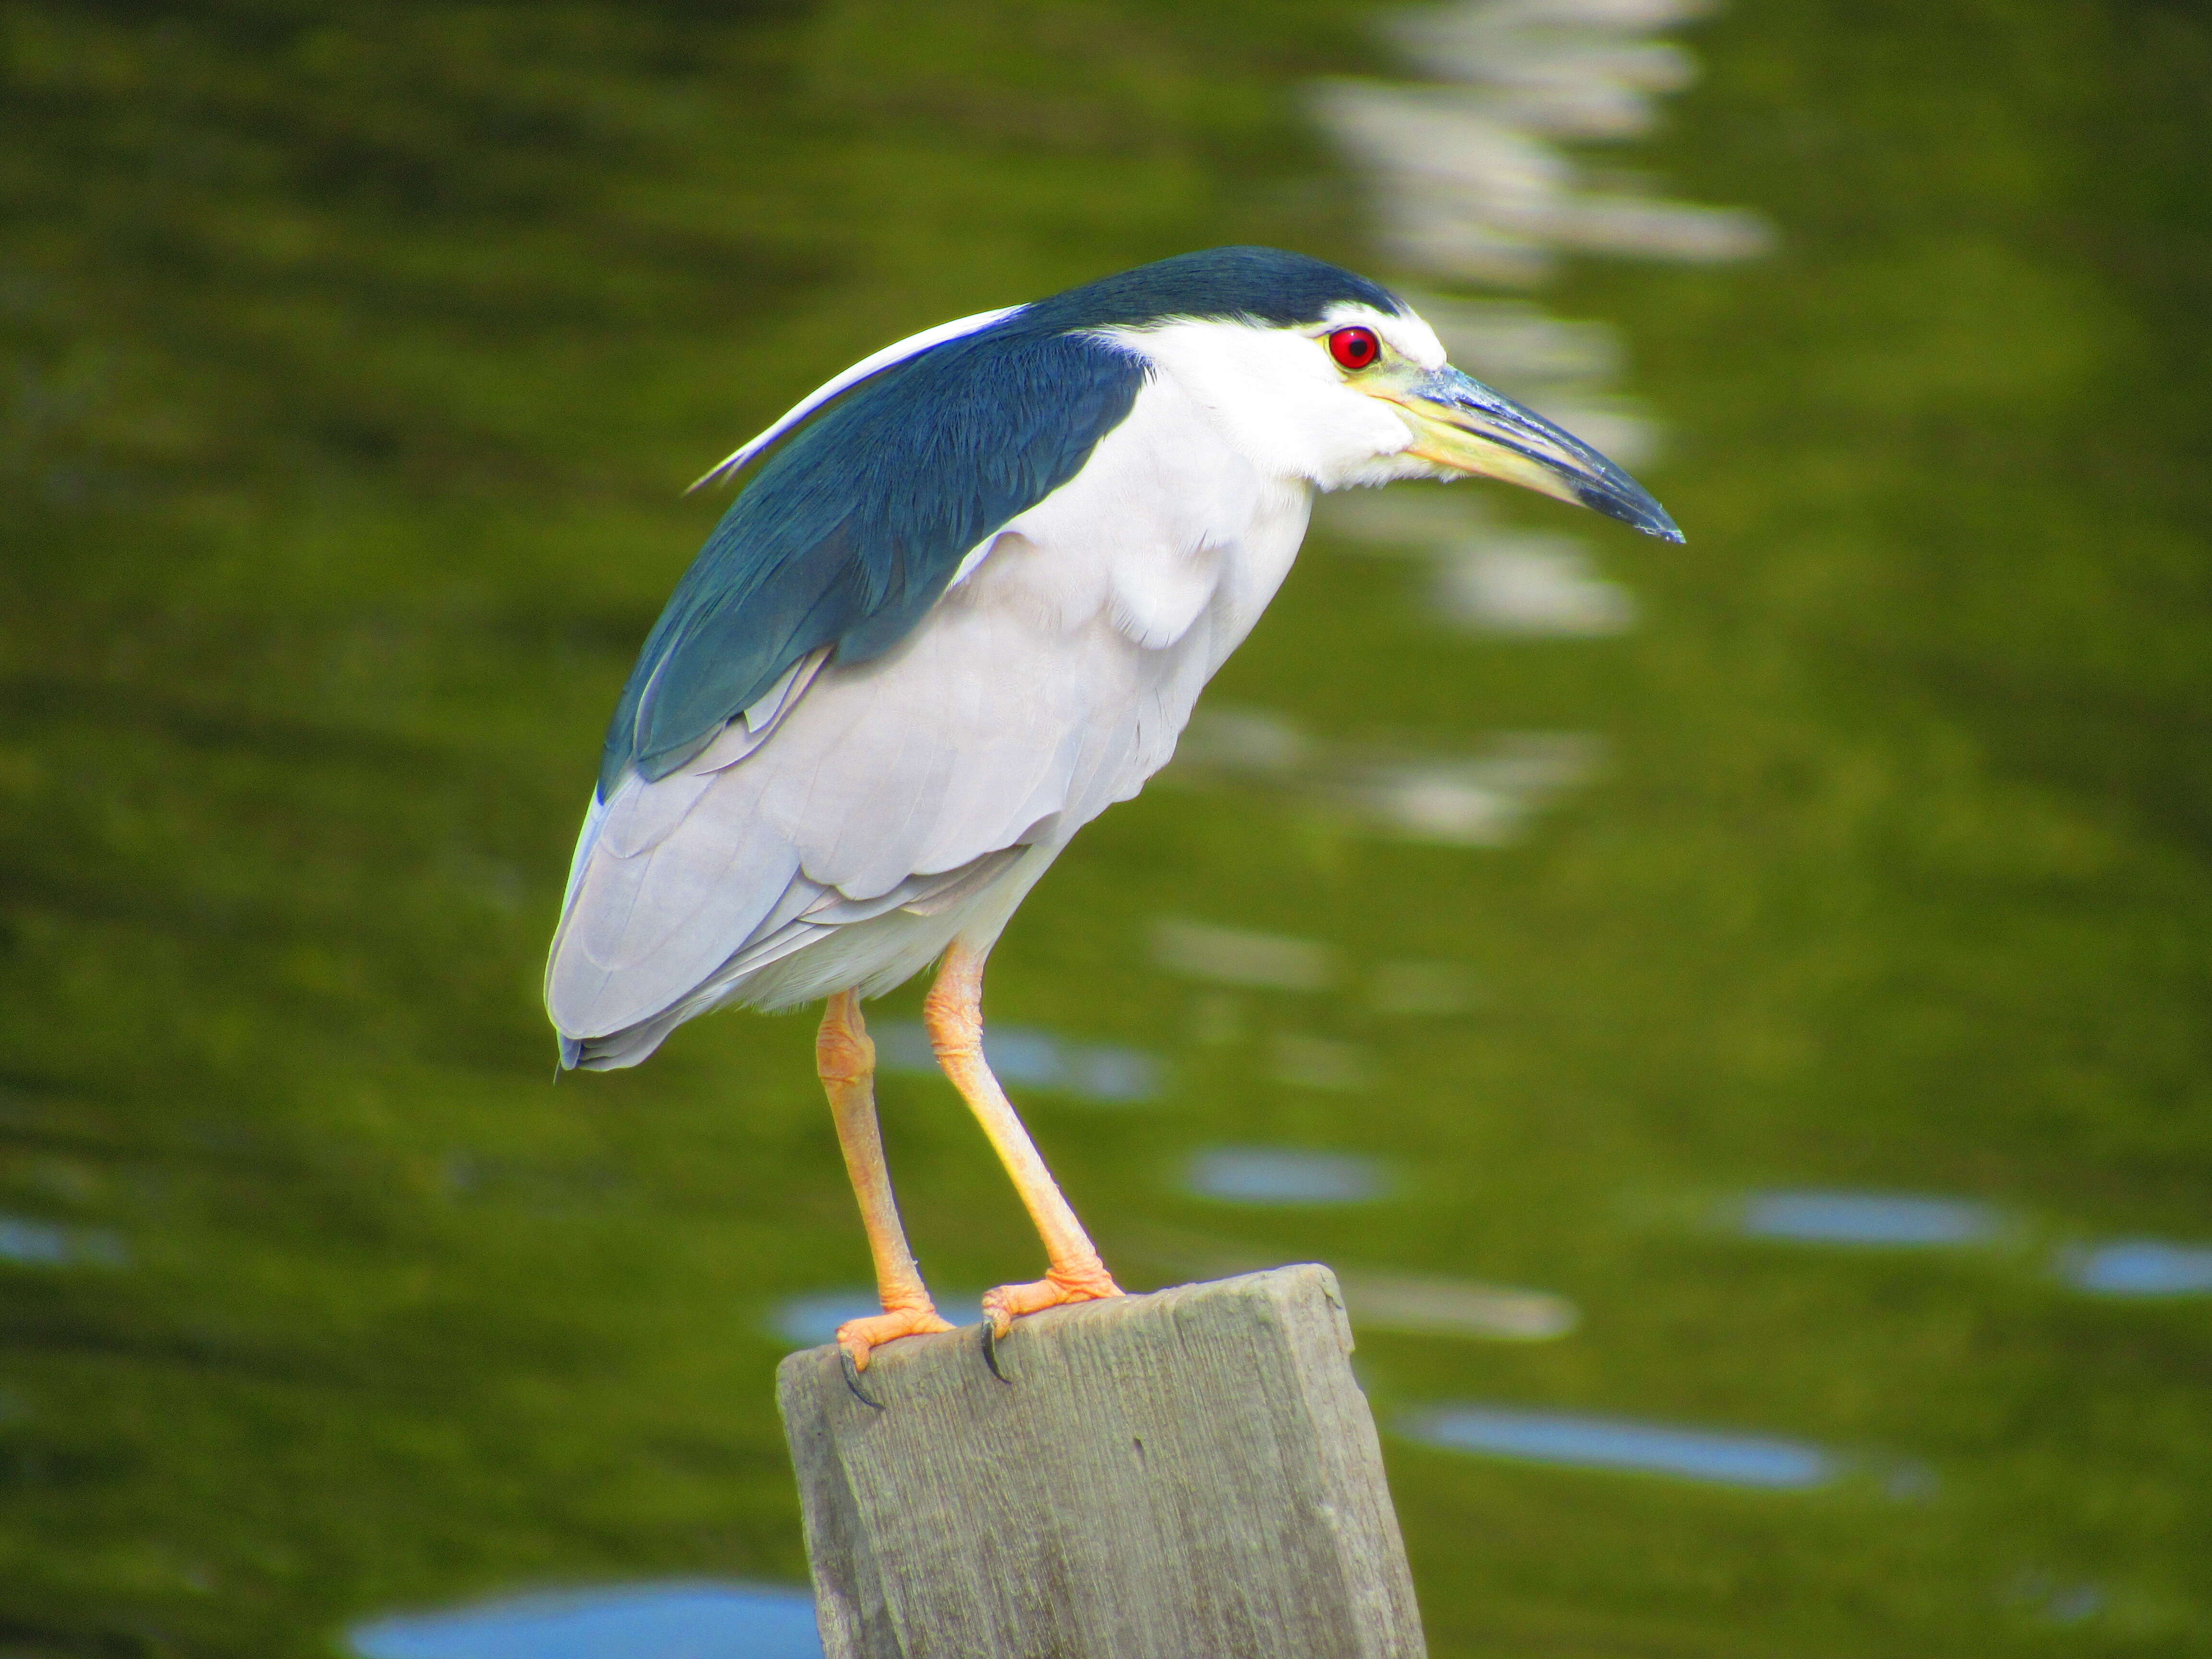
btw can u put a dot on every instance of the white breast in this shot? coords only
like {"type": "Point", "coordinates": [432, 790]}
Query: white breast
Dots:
{"type": "Point", "coordinates": [1167, 524]}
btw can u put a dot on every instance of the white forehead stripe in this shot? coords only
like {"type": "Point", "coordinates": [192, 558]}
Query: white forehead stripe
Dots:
{"type": "Point", "coordinates": [1405, 331]}
{"type": "Point", "coordinates": [913, 346]}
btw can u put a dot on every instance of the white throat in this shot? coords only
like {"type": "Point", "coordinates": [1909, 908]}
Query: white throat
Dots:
{"type": "Point", "coordinates": [1273, 393]}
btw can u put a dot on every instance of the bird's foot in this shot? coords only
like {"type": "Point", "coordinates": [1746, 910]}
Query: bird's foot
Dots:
{"type": "Point", "coordinates": [1008, 1302]}
{"type": "Point", "coordinates": [858, 1337]}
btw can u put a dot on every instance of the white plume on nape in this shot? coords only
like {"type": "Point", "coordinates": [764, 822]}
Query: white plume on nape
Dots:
{"type": "Point", "coordinates": [913, 346]}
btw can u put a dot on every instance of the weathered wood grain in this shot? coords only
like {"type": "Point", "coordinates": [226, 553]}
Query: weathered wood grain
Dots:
{"type": "Point", "coordinates": [1192, 1474]}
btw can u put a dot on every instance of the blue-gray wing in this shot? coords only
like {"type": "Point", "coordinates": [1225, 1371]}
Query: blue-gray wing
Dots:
{"type": "Point", "coordinates": [851, 530]}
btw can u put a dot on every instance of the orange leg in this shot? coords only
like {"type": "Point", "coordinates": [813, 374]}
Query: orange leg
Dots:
{"type": "Point", "coordinates": [846, 1061]}
{"type": "Point", "coordinates": [954, 1013]}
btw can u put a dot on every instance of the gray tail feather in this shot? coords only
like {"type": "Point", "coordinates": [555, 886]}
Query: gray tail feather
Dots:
{"type": "Point", "coordinates": [618, 1049]}
{"type": "Point", "coordinates": [924, 896]}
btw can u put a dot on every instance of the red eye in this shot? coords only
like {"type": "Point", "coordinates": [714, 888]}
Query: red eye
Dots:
{"type": "Point", "coordinates": [1354, 347]}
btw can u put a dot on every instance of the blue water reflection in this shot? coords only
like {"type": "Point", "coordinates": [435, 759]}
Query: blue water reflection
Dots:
{"type": "Point", "coordinates": [808, 1321]}
{"type": "Point", "coordinates": [1100, 1072]}
{"type": "Point", "coordinates": [1276, 1175]}
{"type": "Point", "coordinates": [2140, 1267]}
{"type": "Point", "coordinates": [43, 1244]}
{"type": "Point", "coordinates": [1605, 1443]}
{"type": "Point", "coordinates": [680, 1621]}
{"type": "Point", "coordinates": [1865, 1219]}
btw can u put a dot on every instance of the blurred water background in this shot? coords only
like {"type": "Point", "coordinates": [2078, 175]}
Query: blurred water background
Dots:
{"type": "Point", "coordinates": [1735, 1015]}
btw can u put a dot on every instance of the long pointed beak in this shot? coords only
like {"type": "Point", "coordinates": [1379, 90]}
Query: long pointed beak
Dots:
{"type": "Point", "coordinates": [1462, 424]}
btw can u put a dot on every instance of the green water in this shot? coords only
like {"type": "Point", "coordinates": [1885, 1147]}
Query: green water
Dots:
{"type": "Point", "coordinates": [358, 367]}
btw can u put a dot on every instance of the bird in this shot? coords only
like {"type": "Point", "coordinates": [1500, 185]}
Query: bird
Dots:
{"type": "Point", "coordinates": [966, 602]}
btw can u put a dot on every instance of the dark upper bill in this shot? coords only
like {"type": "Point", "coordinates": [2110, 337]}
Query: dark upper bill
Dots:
{"type": "Point", "coordinates": [1461, 423]}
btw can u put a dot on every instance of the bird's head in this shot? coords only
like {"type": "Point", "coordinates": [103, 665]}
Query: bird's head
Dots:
{"type": "Point", "coordinates": [1318, 374]}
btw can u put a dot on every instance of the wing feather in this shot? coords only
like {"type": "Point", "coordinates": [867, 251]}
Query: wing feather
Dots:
{"type": "Point", "coordinates": [913, 346]}
{"type": "Point", "coordinates": [850, 532]}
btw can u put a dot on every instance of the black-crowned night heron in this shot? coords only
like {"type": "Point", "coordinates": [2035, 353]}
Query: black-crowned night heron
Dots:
{"type": "Point", "coordinates": [966, 607]}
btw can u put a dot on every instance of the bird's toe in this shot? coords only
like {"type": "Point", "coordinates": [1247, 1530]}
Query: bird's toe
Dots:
{"type": "Point", "coordinates": [1004, 1305]}
{"type": "Point", "coordinates": [858, 1337]}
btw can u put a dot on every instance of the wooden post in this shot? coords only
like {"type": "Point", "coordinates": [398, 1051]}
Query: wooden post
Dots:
{"type": "Point", "coordinates": [1192, 1474]}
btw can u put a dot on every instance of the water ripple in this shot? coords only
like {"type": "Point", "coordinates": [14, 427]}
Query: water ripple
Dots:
{"type": "Point", "coordinates": [695, 1620]}
{"type": "Point", "coordinates": [1607, 1443]}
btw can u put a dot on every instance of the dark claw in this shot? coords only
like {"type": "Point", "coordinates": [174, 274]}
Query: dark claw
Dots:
{"type": "Point", "coordinates": [852, 1380]}
{"type": "Point", "coordinates": [991, 1353]}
